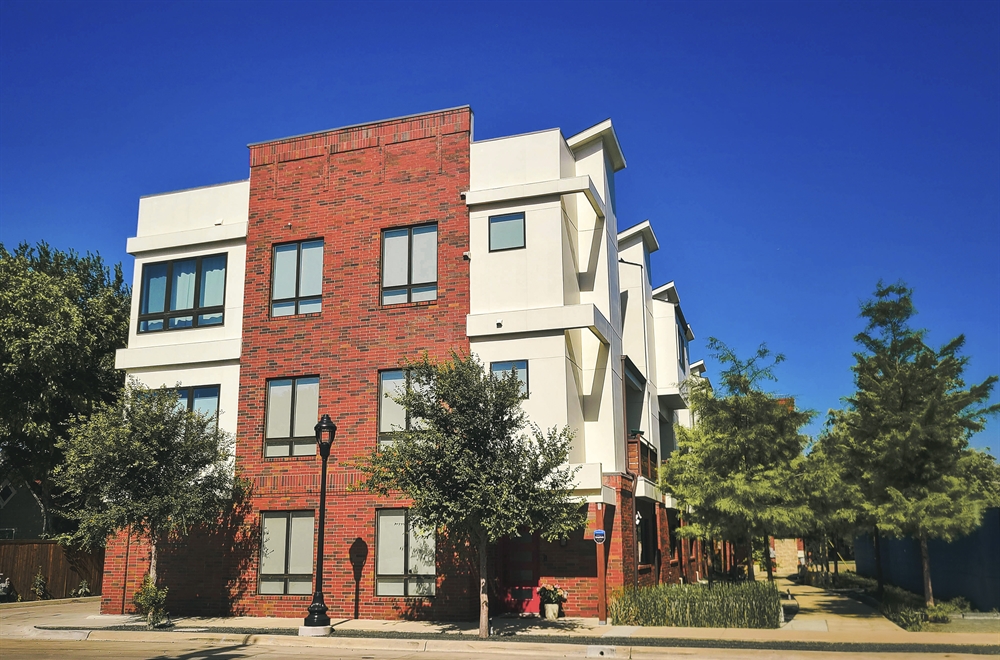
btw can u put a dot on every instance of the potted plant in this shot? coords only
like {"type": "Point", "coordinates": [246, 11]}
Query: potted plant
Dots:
{"type": "Point", "coordinates": [551, 595]}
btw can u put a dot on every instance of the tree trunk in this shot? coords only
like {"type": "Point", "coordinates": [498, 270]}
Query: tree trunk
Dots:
{"type": "Point", "coordinates": [41, 506]}
{"type": "Point", "coordinates": [750, 573]}
{"type": "Point", "coordinates": [152, 559]}
{"type": "Point", "coordinates": [879, 592]}
{"type": "Point", "coordinates": [767, 558]}
{"type": "Point", "coordinates": [925, 562]}
{"type": "Point", "coordinates": [484, 598]}
{"type": "Point", "coordinates": [711, 561]}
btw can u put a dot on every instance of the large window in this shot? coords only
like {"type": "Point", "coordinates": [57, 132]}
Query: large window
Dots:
{"type": "Point", "coordinates": [297, 278]}
{"type": "Point", "coordinates": [404, 556]}
{"type": "Point", "coordinates": [391, 416]}
{"type": "Point", "coordinates": [682, 346]}
{"type": "Point", "coordinates": [409, 264]}
{"type": "Point", "coordinates": [286, 553]}
{"type": "Point", "coordinates": [184, 293]}
{"type": "Point", "coordinates": [518, 367]}
{"type": "Point", "coordinates": [292, 411]}
{"type": "Point", "coordinates": [203, 399]}
{"type": "Point", "coordinates": [506, 232]}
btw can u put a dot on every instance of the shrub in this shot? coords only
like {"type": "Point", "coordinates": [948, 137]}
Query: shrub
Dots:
{"type": "Point", "coordinates": [734, 605]}
{"type": "Point", "coordinates": [82, 590]}
{"type": "Point", "coordinates": [939, 613]}
{"type": "Point", "coordinates": [151, 602]}
{"type": "Point", "coordinates": [39, 585]}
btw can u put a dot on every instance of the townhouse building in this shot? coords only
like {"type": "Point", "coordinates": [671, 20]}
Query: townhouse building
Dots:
{"type": "Point", "coordinates": [302, 292]}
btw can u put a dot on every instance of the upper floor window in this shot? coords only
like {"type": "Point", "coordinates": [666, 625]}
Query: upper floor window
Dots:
{"type": "Point", "coordinates": [297, 278]}
{"type": "Point", "coordinates": [682, 347]}
{"type": "Point", "coordinates": [203, 399]}
{"type": "Point", "coordinates": [292, 410]}
{"type": "Point", "coordinates": [506, 232]}
{"type": "Point", "coordinates": [183, 293]}
{"type": "Point", "coordinates": [520, 369]}
{"type": "Point", "coordinates": [286, 552]}
{"type": "Point", "coordinates": [404, 556]}
{"type": "Point", "coordinates": [409, 264]}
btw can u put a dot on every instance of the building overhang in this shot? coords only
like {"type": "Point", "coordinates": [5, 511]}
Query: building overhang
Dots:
{"type": "Point", "coordinates": [190, 238]}
{"type": "Point", "coordinates": [541, 320]}
{"type": "Point", "coordinates": [647, 490]}
{"type": "Point", "coordinates": [588, 484]}
{"type": "Point", "coordinates": [604, 131]}
{"type": "Point", "coordinates": [175, 355]}
{"type": "Point", "coordinates": [672, 397]}
{"type": "Point", "coordinates": [556, 187]}
{"type": "Point", "coordinates": [643, 230]}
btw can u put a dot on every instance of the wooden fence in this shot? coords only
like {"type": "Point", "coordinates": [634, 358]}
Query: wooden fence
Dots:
{"type": "Point", "coordinates": [63, 568]}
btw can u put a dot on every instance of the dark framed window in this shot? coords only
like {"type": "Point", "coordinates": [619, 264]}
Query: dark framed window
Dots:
{"type": "Point", "coordinates": [409, 264]}
{"type": "Point", "coordinates": [392, 417]}
{"type": "Point", "coordinates": [506, 232]}
{"type": "Point", "coordinates": [183, 293]}
{"type": "Point", "coordinates": [682, 347]}
{"type": "Point", "coordinates": [404, 556]}
{"type": "Point", "coordinates": [292, 411]}
{"type": "Point", "coordinates": [286, 553]}
{"type": "Point", "coordinates": [297, 278]}
{"type": "Point", "coordinates": [7, 492]}
{"type": "Point", "coordinates": [518, 367]}
{"type": "Point", "coordinates": [201, 398]}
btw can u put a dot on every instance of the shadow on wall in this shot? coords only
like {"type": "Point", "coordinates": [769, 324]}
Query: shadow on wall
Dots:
{"type": "Point", "coordinates": [207, 570]}
{"type": "Point", "coordinates": [457, 597]}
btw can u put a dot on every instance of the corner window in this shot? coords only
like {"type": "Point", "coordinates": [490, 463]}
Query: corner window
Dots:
{"type": "Point", "coordinates": [506, 232]}
{"type": "Point", "coordinates": [520, 369]}
{"type": "Point", "coordinates": [184, 293]}
{"type": "Point", "coordinates": [203, 399]}
{"type": "Point", "coordinates": [292, 411]}
{"type": "Point", "coordinates": [409, 264]}
{"type": "Point", "coordinates": [297, 278]}
{"type": "Point", "coordinates": [286, 553]}
{"type": "Point", "coordinates": [404, 556]}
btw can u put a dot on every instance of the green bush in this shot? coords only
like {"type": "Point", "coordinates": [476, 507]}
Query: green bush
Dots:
{"type": "Point", "coordinates": [939, 613]}
{"type": "Point", "coordinates": [151, 602]}
{"type": "Point", "coordinates": [723, 605]}
{"type": "Point", "coordinates": [39, 585]}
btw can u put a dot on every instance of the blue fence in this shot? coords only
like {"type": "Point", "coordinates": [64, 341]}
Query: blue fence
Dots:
{"type": "Point", "coordinates": [968, 567]}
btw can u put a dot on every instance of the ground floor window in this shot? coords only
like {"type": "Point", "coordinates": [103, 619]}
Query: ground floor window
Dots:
{"type": "Point", "coordinates": [404, 556]}
{"type": "Point", "coordinates": [286, 552]}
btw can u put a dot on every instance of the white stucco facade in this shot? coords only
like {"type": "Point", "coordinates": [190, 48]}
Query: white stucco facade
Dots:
{"type": "Point", "coordinates": [182, 225]}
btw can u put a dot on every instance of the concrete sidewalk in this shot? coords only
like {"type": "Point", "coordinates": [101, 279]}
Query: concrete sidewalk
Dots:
{"type": "Point", "coordinates": [823, 618]}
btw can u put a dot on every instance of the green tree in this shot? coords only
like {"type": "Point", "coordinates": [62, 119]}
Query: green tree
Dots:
{"type": "Point", "coordinates": [147, 464]}
{"type": "Point", "coordinates": [61, 318]}
{"type": "Point", "coordinates": [904, 434]}
{"type": "Point", "coordinates": [470, 467]}
{"type": "Point", "coordinates": [735, 468]}
{"type": "Point", "coordinates": [829, 496]}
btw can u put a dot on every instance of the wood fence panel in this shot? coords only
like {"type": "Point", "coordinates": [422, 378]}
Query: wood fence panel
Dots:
{"type": "Point", "coordinates": [62, 568]}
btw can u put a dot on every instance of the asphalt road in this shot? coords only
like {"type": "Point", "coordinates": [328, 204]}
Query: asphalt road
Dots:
{"type": "Point", "coordinates": [36, 649]}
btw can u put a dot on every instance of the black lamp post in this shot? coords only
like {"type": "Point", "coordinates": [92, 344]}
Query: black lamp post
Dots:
{"type": "Point", "coordinates": [326, 431]}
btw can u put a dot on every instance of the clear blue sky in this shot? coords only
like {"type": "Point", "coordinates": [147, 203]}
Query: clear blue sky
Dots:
{"type": "Point", "coordinates": [788, 154]}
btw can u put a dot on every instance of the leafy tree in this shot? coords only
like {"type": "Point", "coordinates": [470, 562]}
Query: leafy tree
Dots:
{"type": "Point", "coordinates": [61, 318]}
{"type": "Point", "coordinates": [829, 496]}
{"type": "Point", "coordinates": [469, 466]}
{"type": "Point", "coordinates": [735, 469]}
{"type": "Point", "coordinates": [147, 464]}
{"type": "Point", "coordinates": [904, 434]}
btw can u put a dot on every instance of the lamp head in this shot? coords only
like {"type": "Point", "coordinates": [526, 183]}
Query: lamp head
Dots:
{"type": "Point", "coordinates": [326, 431]}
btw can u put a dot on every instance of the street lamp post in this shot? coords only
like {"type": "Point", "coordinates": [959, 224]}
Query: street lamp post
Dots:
{"type": "Point", "coordinates": [326, 431]}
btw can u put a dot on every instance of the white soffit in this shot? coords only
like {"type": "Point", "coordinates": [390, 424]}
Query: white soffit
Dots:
{"type": "Point", "coordinates": [643, 229]}
{"type": "Point", "coordinates": [568, 186]}
{"type": "Point", "coordinates": [604, 131]}
{"type": "Point", "coordinates": [192, 237]}
{"type": "Point", "coordinates": [667, 293]}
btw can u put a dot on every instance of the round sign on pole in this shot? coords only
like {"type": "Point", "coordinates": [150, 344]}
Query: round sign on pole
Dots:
{"type": "Point", "coordinates": [599, 536]}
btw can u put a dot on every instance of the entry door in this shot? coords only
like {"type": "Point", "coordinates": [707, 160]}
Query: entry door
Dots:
{"type": "Point", "coordinates": [519, 573]}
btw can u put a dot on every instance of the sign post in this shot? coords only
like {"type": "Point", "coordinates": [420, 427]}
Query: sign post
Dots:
{"type": "Point", "coordinates": [602, 587]}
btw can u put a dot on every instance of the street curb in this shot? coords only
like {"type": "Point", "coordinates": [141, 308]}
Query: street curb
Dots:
{"type": "Point", "coordinates": [47, 601]}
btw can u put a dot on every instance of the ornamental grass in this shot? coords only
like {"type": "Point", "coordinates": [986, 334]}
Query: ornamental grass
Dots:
{"type": "Point", "coordinates": [723, 605]}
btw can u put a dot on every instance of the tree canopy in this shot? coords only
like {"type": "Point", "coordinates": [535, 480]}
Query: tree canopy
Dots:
{"type": "Point", "coordinates": [735, 468]}
{"type": "Point", "coordinates": [904, 434]}
{"type": "Point", "coordinates": [470, 464]}
{"type": "Point", "coordinates": [62, 316]}
{"type": "Point", "coordinates": [146, 464]}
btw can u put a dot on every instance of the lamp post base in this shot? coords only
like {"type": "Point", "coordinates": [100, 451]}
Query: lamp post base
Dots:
{"type": "Point", "coordinates": [317, 613]}
{"type": "Point", "coordinates": [314, 631]}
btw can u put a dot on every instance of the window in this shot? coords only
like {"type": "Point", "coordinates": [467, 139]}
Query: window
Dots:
{"type": "Point", "coordinates": [682, 347]}
{"type": "Point", "coordinates": [185, 293]}
{"type": "Point", "coordinates": [506, 232]}
{"type": "Point", "coordinates": [203, 399]}
{"type": "Point", "coordinates": [519, 367]}
{"type": "Point", "coordinates": [409, 264]}
{"type": "Point", "coordinates": [391, 416]}
{"type": "Point", "coordinates": [297, 279]}
{"type": "Point", "coordinates": [286, 553]}
{"type": "Point", "coordinates": [404, 556]}
{"type": "Point", "coordinates": [292, 411]}
{"type": "Point", "coordinates": [6, 493]}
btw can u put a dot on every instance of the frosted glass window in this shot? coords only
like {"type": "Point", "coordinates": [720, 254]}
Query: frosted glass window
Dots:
{"type": "Point", "coordinates": [501, 369]}
{"type": "Point", "coordinates": [292, 412]}
{"type": "Point", "coordinates": [506, 232]}
{"type": "Point", "coordinates": [395, 258]}
{"type": "Point", "coordinates": [286, 553]}
{"type": "Point", "coordinates": [409, 264]}
{"type": "Point", "coordinates": [185, 293]}
{"type": "Point", "coordinates": [404, 557]}
{"type": "Point", "coordinates": [297, 279]}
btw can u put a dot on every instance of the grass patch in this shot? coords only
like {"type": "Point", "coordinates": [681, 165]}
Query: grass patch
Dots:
{"type": "Point", "coordinates": [723, 605]}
